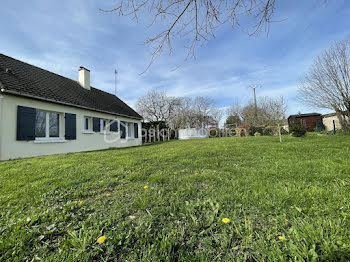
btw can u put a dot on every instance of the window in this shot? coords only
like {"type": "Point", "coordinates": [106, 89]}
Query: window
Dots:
{"type": "Point", "coordinates": [103, 125]}
{"type": "Point", "coordinates": [87, 123]}
{"type": "Point", "coordinates": [46, 124]}
{"type": "Point", "coordinates": [54, 119]}
{"type": "Point", "coordinates": [40, 124]}
{"type": "Point", "coordinates": [113, 127]}
{"type": "Point", "coordinates": [130, 130]}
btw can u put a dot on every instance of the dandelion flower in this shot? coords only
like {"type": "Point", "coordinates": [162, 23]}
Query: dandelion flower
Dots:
{"type": "Point", "coordinates": [108, 194]}
{"type": "Point", "coordinates": [281, 238]}
{"type": "Point", "coordinates": [145, 187]}
{"type": "Point", "coordinates": [102, 239]}
{"type": "Point", "coordinates": [81, 202]}
{"type": "Point", "coordinates": [226, 220]}
{"type": "Point", "coordinates": [75, 202]}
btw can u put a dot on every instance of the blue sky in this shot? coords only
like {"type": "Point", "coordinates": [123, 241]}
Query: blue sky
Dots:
{"type": "Point", "coordinates": [62, 35]}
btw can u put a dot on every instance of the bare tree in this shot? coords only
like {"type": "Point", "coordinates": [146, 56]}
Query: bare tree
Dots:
{"type": "Point", "coordinates": [216, 114]}
{"type": "Point", "coordinates": [327, 84]}
{"type": "Point", "coordinates": [256, 115]}
{"type": "Point", "coordinates": [197, 20]}
{"type": "Point", "coordinates": [201, 109]}
{"type": "Point", "coordinates": [184, 113]}
{"type": "Point", "coordinates": [157, 106]}
{"type": "Point", "coordinates": [276, 109]}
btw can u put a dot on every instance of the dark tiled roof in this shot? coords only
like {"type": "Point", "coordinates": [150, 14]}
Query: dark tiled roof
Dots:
{"type": "Point", "coordinates": [23, 79]}
{"type": "Point", "coordinates": [305, 115]}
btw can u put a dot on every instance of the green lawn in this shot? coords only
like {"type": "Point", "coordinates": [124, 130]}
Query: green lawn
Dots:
{"type": "Point", "coordinates": [286, 201]}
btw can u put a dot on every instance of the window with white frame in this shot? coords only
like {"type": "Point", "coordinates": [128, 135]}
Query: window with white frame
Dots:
{"type": "Point", "coordinates": [47, 125]}
{"type": "Point", "coordinates": [87, 123]}
{"type": "Point", "coordinates": [103, 125]}
{"type": "Point", "coordinates": [130, 130]}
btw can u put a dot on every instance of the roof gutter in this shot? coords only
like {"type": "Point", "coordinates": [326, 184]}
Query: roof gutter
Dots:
{"type": "Point", "coordinates": [3, 90]}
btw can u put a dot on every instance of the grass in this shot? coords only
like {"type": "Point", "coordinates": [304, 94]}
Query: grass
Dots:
{"type": "Point", "coordinates": [286, 201]}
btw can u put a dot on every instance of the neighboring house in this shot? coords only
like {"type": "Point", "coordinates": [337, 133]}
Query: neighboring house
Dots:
{"type": "Point", "coordinates": [328, 121]}
{"type": "Point", "coordinates": [42, 113]}
{"type": "Point", "coordinates": [309, 120]}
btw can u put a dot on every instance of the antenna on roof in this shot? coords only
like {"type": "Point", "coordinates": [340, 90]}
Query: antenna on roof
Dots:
{"type": "Point", "coordinates": [115, 84]}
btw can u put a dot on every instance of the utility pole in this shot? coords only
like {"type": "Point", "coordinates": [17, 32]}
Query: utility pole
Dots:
{"type": "Point", "coordinates": [254, 87]}
{"type": "Point", "coordinates": [255, 105]}
{"type": "Point", "coordinates": [115, 78]}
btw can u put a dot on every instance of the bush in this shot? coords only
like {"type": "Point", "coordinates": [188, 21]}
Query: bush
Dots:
{"type": "Point", "coordinates": [213, 132]}
{"type": "Point", "coordinates": [298, 130]}
{"type": "Point", "coordinates": [320, 126]}
{"type": "Point", "coordinates": [269, 131]}
{"type": "Point", "coordinates": [283, 131]}
{"type": "Point", "coordinates": [254, 129]}
{"type": "Point", "coordinates": [232, 132]}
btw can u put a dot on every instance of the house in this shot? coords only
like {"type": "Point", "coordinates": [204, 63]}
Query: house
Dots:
{"type": "Point", "coordinates": [328, 121]}
{"type": "Point", "coordinates": [42, 113]}
{"type": "Point", "coordinates": [309, 120]}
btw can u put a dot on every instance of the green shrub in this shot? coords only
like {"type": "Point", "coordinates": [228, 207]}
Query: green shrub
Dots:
{"type": "Point", "coordinates": [232, 132]}
{"type": "Point", "coordinates": [283, 131]}
{"type": "Point", "coordinates": [254, 129]}
{"type": "Point", "coordinates": [213, 132]}
{"type": "Point", "coordinates": [269, 131]}
{"type": "Point", "coordinates": [298, 130]}
{"type": "Point", "coordinates": [320, 126]}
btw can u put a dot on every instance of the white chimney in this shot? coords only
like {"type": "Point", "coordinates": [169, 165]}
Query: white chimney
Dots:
{"type": "Point", "coordinates": [84, 77]}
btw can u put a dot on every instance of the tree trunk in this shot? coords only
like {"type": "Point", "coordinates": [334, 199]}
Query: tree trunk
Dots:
{"type": "Point", "coordinates": [279, 132]}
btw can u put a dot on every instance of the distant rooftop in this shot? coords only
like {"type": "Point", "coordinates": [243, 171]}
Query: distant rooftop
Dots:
{"type": "Point", "coordinates": [305, 115]}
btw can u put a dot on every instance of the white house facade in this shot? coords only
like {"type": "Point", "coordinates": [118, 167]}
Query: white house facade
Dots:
{"type": "Point", "coordinates": [42, 113]}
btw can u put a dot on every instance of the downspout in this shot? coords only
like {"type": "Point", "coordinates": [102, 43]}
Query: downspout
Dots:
{"type": "Point", "coordinates": [1, 117]}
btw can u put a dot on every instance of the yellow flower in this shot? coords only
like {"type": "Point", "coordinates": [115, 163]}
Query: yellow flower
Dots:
{"type": "Point", "coordinates": [145, 187]}
{"type": "Point", "coordinates": [75, 202]}
{"type": "Point", "coordinates": [196, 173]}
{"type": "Point", "coordinates": [102, 239]}
{"type": "Point", "coordinates": [81, 202]}
{"type": "Point", "coordinates": [226, 220]}
{"type": "Point", "coordinates": [281, 238]}
{"type": "Point", "coordinates": [108, 194]}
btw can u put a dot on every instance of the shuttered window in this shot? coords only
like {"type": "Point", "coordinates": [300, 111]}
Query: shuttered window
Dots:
{"type": "Point", "coordinates": [113, 126]}
{"type": "Point", "coordinates": [46, 124]}
{"type": "Point", "coordinates": [70, 126]}
{"type": "Point", "coordinates": [122, 129]}
{"type": "Point", "coordinates": [136, 130]}
{"type": "Point", "coordinates": [26, 123]}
